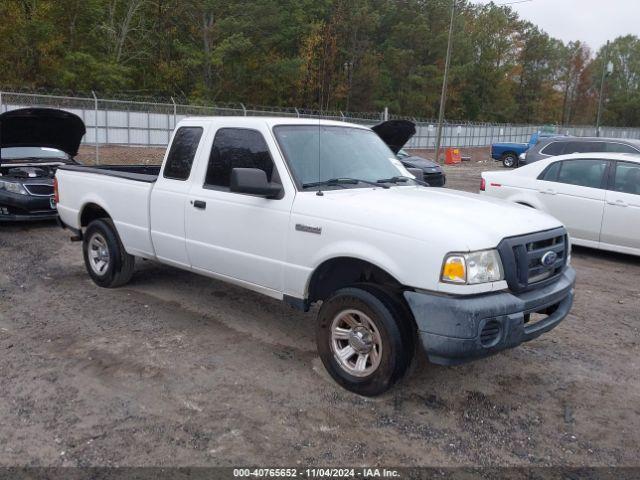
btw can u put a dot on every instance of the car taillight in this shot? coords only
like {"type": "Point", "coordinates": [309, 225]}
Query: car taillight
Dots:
{"type": "Point", "coordinates": [483, 184]}
{"type": "Point", "coordinates": [56, 194]}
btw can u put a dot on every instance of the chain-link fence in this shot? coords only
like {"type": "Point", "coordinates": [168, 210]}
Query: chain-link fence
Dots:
{"type": "Point", "coordinates": [149, 124]}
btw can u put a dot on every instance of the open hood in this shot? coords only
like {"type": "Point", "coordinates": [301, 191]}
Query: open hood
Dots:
{"type": "Point", "coordinates": [395, 133]}
{"type": "Point", "coordinates": [41, 127]}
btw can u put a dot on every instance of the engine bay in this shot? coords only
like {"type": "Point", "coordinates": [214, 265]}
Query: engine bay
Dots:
{"type": "Point", "coordinates": [26, 172]}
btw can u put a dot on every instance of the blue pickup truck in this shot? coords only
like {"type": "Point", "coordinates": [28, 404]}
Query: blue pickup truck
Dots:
{"type": "Point", "coordinates": [508, 153]}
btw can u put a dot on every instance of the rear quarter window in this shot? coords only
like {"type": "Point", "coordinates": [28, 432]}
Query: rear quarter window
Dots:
{"type": "Point", "coordinates": [183, 150]}
{"type": "Point", "coordinates": [553, 149]}
{"type": "Point", "coordinates": [550, 174]}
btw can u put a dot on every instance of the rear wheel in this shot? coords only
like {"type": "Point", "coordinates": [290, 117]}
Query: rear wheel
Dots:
{"type": "Point", "coordinates": [509, 160]}
{"type": "Point", "coordinates": [105, 258]}
{"type": "Point", "coordinates": [362, 339]}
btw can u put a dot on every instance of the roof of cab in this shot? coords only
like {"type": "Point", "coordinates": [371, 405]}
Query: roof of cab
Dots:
{"type": "Point", "coordinates": [269, 121]}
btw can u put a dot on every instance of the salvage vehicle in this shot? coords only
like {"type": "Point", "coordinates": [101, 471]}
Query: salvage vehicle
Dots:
{"type": "Point", "coordinates": [552, 147]}
{"type": "Point", "coordinates": [396, 133]}
{"type": "Point", "coordinates": [432, 173]}
{"type": "Point", "coordinates": [596, 195]}
{"type": "Point", "coordinates": [34, 142]}
{"type": "Point", "coordinates": [510, 153]}
{"type": "Point", "coordinates": [309, 211]}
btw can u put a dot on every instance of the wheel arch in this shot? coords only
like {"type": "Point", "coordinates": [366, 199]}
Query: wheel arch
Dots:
{"type": "Point", "coordinates": [526, 201]}
{"type": "Point", "coordinates": [91, 211]}
{"type": "Point", "coordinates": [343, 271]}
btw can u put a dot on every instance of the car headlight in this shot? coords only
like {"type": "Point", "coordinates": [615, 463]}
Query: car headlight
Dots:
{"type": "Point", "coordinates": [13, 187]}
{"type": "Point", "coordinates": [472, 268]}
{"type": "Point", "coordinates": [523, 155]}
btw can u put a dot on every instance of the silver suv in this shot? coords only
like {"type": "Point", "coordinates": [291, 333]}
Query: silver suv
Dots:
{"type": "Point", "coordinates": [550, 147]}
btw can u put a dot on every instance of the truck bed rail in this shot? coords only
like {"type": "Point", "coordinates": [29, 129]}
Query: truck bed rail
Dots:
{"type": "Point", "coordinates": [139, 173]}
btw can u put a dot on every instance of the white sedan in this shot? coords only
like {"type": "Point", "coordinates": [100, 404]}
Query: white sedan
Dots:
{"type": "Point", "coordinates": [596, 196]}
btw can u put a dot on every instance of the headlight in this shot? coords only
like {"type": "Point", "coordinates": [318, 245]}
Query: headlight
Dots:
{"type": "Point", "coordinates": [13, 187]}
{"type": "Point", "coordinates": [472, 268]}
{"type": "Point", "coordinates": [523, 155]}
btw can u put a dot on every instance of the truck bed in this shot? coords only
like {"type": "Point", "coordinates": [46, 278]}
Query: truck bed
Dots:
{"type": "Point", "coordinates": [123, 191]}
{"type": "Point", "coordinates": [140, 173]}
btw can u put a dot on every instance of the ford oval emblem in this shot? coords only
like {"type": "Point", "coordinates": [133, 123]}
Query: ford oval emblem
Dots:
{"type": "Point", "coordinates": [549, 259]}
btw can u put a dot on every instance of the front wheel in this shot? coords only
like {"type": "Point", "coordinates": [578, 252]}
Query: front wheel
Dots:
{"type": "Point", "coordinates": [105, 258]}
{"type": "Point", "coordinates": [509, 160]}
{"type": "Point", "coordinates": [362, 340]}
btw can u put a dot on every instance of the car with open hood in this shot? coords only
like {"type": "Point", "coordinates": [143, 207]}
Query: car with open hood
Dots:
{"type": "Point", "coordinates": [396, 133]}
{"type": "Point", "coordinates": [34, 142]}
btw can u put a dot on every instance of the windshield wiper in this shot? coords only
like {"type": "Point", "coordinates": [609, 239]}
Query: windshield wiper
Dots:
{"type": "Point", "coordinates": [403, 179]}
{"type": "Point", "coordinates": [342, 181]}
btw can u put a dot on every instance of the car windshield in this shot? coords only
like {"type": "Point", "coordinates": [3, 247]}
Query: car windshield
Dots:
{"type": "Point", "coordinates": [45, 153]}
{"type": "Point", "coordinates": [322, 153]}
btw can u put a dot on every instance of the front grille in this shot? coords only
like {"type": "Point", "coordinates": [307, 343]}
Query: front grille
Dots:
{"type": "Point", "coordinates": [528, 259]}
{"type": "Point", "coordinates": [39, 189]}
{"type": "Point", "coordinates": [434, 179]}
{"type": "Point", "coordinates": [490, 333]}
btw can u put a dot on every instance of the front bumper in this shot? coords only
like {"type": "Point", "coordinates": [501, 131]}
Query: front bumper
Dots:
{"type": "Point", "coordinates": [457, 329]}
{"type": "Point", "coordinates": [435, 179]}
{"type": "Point", "coordinates": [16, 207]}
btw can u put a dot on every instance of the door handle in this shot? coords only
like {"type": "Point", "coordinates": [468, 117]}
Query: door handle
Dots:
{"type": "Point", "coordinates": [548, 191]}
{"type": "Point", "coordinates": [618, 203]}
{"type": "Point", "coordinates": [201, 204]}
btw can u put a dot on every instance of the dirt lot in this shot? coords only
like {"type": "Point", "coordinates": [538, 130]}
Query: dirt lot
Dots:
{"type": "Point", "coordinates": [177, 369]}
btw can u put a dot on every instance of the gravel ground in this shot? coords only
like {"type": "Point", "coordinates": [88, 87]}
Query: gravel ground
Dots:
{"type": "Point", "coordinates": [176, 369]}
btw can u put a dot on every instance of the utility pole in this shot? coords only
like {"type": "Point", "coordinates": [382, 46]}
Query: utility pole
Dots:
{"type": "Point", "coordinates": [348, 67]}
{"type": "Point", "coordinates": [443, 95]}
{"type": "Point", "coordinates": [607, 67]}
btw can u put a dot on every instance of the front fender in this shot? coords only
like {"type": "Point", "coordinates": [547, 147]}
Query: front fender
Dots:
{"type": "Point", "coordinates": [356, 250]}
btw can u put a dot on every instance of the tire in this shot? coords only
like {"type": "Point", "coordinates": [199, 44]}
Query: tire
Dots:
{"type": "Point", "coordinates": [509, 160]}
{"type": "Point", "coordinates": [374, 326]}
{"type": "Point", "coordinates": [106, 260]}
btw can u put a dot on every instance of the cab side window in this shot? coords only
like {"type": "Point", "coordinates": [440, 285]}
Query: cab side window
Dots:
{"type": "Point", "coordinates": [620, 148]}
{"type": "Point", "coordinates": [183, 150]}
{"type": "Point", "coordinates": [236, 148]}
{"type": "Point", "coordinates": [627, 178]}
{"type": "Point", "coordinates": [583, 147]}
{"type": "Point", "coordinates": [584, 173]}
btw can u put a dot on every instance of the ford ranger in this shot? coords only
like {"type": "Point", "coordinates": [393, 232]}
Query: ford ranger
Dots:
{"type": "Point", "coordinates": [322, 212]}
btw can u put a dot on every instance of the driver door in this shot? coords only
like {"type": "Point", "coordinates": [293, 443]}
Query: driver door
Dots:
{"type": "Point", "coordinates": [234, 235]}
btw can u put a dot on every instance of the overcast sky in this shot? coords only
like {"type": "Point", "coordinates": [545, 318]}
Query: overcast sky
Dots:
{"type": "Point", "coordinates": [592, 21]}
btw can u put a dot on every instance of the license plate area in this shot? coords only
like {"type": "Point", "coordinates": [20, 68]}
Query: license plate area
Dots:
{"type": "Point", "coordinates": [534, 318]}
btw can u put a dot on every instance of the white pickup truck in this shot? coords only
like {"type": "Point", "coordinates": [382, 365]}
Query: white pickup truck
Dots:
{"type": "Point", "coordinates": [313, 211]}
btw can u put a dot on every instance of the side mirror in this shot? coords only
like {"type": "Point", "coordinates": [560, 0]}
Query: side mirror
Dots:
{"type": "Point", "coordinates": [253, 181]}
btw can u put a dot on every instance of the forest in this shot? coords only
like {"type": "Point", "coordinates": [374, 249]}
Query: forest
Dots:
{"type": "Point", "coordinates": [348, 55]}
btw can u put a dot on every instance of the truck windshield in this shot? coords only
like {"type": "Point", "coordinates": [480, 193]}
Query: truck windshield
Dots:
{"type": "Point", "coordinates": [317, 153]}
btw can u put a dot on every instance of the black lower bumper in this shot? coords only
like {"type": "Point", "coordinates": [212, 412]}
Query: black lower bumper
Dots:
{"type": "Point", "coordinates": [29, 217]}
{"type": "Point", "coordinates": [25, 208]}
{"type": "Point", "coordinates": [454, 330]}
{"type": "Point", "coordinates": [435, 179]}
